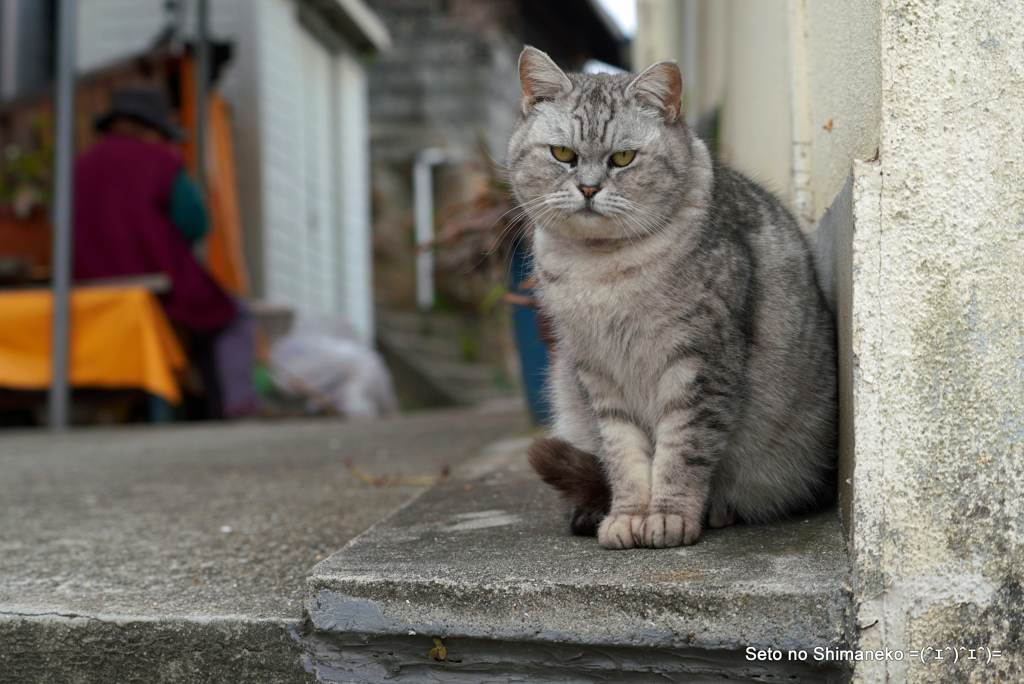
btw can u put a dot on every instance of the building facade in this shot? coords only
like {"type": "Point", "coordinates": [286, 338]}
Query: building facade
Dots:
{"type": "Point", "coordinates": [297, 88]}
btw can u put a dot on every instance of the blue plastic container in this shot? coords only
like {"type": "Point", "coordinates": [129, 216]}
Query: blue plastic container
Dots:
{"type": "Point", "coordinates": [533, 354]}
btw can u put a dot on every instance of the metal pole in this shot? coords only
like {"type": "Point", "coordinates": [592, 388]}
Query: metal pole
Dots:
{"type": "Point", "coordinates": [202, 74]}
{"type": "Point", "coordinates": [62, 212]}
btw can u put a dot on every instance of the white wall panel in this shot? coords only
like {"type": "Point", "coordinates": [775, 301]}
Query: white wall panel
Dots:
{"type": "Point", "coordinates": [355, 276]}
{"type": "Point", "coordinates": [110, 30]}
{"type": "Point", "coordinates": [300, 222]}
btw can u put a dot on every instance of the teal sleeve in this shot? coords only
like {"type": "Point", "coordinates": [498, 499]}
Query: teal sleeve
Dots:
{"type": "Point", "coordinates": [187, 211]}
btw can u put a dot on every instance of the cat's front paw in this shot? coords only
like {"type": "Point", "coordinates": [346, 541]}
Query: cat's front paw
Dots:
{"type": "Point", "coordinates": [619, 531]}
{"type": "Point", "coordinates": [664, 530]}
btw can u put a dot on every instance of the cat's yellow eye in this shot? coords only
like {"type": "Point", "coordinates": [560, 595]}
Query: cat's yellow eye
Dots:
{"type": "Point", "coordinates": [563, 154]}
{"type": "Point", "coordinates": [623, 158]}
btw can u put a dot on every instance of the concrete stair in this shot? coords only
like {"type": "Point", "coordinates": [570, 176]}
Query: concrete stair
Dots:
{"type": "Point", "coordinates": [179, 553]}
{"type": "Point", "coordinates": [426, 357]}
{"type": "Point", "coordinates": [482, 564]}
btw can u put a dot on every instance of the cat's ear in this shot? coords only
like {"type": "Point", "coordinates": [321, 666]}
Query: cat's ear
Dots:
{"type": "Point", "coordinates": [660, 86]}
{"type": "Point", "coordinates": [540, 77]}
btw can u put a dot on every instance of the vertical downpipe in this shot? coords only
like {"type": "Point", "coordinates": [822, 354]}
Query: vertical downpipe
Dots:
{"type": "Point", "coordinates": [691, 60]}
{"type": "Point", "coordinates": [202, 87]}
{"type": "Point", "coordinates": [423, 194]}
{"type": "Point", "coordinates": [800, 111]}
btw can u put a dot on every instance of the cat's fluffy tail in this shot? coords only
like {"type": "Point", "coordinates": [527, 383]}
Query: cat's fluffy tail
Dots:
{"type": "Point", "coordinates": [580, 478]}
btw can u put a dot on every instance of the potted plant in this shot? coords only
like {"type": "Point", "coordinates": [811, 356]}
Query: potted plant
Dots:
{"type": "Point", "coordinates": [26, 181]}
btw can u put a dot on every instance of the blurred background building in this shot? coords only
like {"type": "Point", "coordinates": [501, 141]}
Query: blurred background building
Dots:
{"type": "Point", "coordinates": [317, 114]}
{"type": "Point", "coordinates": [446, 96]}
{"type": "Point", "coordinates": [287, 146]}
{"type": "Point", "coordinates": [296, 88]}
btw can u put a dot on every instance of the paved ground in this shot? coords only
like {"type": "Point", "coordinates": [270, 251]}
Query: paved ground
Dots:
{"type": "Point", "coordinates": [218, 520]}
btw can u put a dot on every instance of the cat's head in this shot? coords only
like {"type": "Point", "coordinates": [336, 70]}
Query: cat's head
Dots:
{"type": "Point", "coordinates": [599, 157]}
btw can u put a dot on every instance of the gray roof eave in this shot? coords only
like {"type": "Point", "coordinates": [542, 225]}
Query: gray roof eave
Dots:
{"type": "Point", "coordinates": [355, 22]}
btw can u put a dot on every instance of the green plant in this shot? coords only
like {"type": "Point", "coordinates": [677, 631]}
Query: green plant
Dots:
{"type": "Point", "coordinates": [26, 173]}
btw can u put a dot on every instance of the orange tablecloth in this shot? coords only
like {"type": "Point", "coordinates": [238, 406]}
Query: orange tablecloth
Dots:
{"type": "Point", "coordinates": [120, 338]}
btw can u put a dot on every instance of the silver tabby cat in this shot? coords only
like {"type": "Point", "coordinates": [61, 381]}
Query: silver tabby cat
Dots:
{"type": "Point", "coordinates": [694, 378]}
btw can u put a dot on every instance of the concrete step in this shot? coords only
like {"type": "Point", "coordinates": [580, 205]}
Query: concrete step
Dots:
{"type": "Point", "coordinates": [432, 323]}
{"type": "Point", "coordinates": [179, 553]}
{"type": "Point", "coordinates": [483, 562]}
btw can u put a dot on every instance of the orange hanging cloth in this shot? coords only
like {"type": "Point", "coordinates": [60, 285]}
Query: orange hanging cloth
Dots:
{"type": "Point", "coordinates": [224, 258]}
{"type": "Point", "coordinates": [224, 242]}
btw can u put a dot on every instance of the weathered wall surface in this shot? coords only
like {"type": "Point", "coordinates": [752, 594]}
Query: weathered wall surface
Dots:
{"type": "Point", "coordinates": [938, 346]}
{"type": "Point", "coordinates": [844, 75]}
{"type": "Point", "coordinates": [442, 84]}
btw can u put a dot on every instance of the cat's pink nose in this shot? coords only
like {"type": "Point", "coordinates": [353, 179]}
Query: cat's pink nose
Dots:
{"type": "Point", "coordinates": [589, 190]}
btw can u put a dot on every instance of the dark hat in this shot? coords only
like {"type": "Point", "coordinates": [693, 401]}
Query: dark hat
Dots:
{"type": "Point", "coordinates": [146, 105]}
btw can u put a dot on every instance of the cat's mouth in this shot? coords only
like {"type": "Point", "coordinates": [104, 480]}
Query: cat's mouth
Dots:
{"type": "Point", "coordinates": [592, 229]}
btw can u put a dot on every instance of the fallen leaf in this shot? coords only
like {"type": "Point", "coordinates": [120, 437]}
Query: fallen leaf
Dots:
{"type": "Point", "coordinates": [439, 652]}
{"type": "Point", "coordinates": [385, 480]}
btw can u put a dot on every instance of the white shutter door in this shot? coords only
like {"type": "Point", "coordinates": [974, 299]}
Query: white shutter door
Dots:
{"type": "Point", "coordinates": [317, 142]}
{"type": "Point", "coordinates": [299, 221]}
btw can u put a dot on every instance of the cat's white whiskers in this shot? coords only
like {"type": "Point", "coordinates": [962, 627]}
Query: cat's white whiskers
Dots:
{"type": "Point", "coordinates": [649, 220]}
{"type": "Point", "coordinates": [626, 229]}
{"type": "Point", "coordinates": [517, 223]}
{"type": "Point", "coordinates": [510, 226]}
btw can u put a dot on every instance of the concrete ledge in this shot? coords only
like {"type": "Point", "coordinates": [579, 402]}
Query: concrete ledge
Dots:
{"type": "Point", "coordinates": [70, 649]}
{"type": "Point", "coordinates": [485, 563]}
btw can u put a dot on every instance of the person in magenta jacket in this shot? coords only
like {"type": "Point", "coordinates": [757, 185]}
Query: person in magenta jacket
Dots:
{"type": "Point", "coordinates": [136, 212]}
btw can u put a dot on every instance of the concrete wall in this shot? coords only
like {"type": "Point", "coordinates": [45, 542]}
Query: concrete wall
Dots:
{"type": "Point", "coordinates": [756, 118]}
{"type": "Point", "coordinates": [844, 87]}
{"type": "Point", "coordinates": [734, 57]}
{"type": "Point", "coordinates": [938, 340]}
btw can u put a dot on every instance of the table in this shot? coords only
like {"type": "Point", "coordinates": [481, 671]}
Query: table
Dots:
{"type": "Point", "coordinates": [120, 338]}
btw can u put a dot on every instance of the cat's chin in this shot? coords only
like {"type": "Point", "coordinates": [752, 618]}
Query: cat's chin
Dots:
{"type": "Point", "coordinates": [591, 229]}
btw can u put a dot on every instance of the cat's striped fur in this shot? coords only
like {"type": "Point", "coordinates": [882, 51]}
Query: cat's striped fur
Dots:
{"type": "Point", "coordinates": [694, 377]}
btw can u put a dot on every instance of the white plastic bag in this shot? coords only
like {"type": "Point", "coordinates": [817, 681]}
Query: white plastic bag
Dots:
{"type": "Point", "coordinates": [318, 362]}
